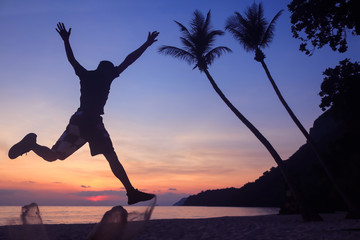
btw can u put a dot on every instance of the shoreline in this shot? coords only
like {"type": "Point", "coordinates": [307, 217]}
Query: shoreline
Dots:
{"type": "Point", "coordinates": [266, 227]}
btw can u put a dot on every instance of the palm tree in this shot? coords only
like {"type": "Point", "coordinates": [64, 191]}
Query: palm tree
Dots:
{"type": "Point", "coordinates": [254, 33]}
{"type": "Point", "coordinates": [198, 43]}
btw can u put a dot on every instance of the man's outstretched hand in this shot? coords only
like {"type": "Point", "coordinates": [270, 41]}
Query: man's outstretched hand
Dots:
{"type": "Point", "coordinates": [62, 31]}
{"type": "Point", "coordinates": [152, 37]}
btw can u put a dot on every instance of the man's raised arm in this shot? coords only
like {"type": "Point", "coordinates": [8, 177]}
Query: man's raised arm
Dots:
{"type": "Point", "coordinates": [132, 57]}
{"type": "Point", "coordinates": [69, 53]}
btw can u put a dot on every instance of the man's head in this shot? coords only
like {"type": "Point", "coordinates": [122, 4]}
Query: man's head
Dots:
{"type": "Point", "coordinates": [106, 67]}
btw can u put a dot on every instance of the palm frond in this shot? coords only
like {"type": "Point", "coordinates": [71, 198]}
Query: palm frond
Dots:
{"type": "Point", "coordinates": [243, 21]}
{"type": "Point", "coordinates": [197, 22]}
{"type": "Point", "coordinates": [240, 28]}
{"type": "Point", "coordinates": [256, 24]}
{"type": "Point", "coordinates": [211, 35]}
{"type": "Point", "coordinates": [216, 53]}
{"type": "Point", "coordinates": [183, 30]}
{"type": "Point", "coordinates": [269, 33]}
{"type": "Point", "coordinates": [251, 12]}
{"type": "Point", "coordinates": [207, 21]}
{"type": "Point", "coordinates": [189, 46]}
{"type": "Point", "coordinates": [238, 22]}
{"type": "Point", "coordinates": [260, 16]}
{"type": "Point", "coordinates": [178, 53]}
{"type": "Point", "coordinates": [182, 27]}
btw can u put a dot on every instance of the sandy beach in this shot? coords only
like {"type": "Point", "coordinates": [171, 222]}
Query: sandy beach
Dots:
{"type": "Point", "coordinates": [271, 227]}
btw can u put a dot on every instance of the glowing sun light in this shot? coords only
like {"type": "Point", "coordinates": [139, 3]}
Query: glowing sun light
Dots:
{"type": "Point", "coordinates": [97, 198]}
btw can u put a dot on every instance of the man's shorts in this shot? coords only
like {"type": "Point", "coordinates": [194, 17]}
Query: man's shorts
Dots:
{"type": "Point", "coordinates": [81, 129]}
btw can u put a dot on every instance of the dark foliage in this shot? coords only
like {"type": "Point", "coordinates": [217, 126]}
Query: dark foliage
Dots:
{"type": "Point", "coordinates": [322, 22]}
{"type": "Point", "coordinates": [267, 191]}
{"type": "Point", "coordinates": [340, 93]}
{"type": "Point", "coordinates": [340, 88]}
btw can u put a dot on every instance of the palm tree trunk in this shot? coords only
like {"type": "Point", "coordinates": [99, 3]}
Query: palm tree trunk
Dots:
{"type": "Point", "coordinates": [307, 213]}
{"type": "Point", "coordinates": [354, 209]}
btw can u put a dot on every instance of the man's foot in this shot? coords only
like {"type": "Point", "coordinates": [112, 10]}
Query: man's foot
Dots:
{"type": "Point", "coordinates": [136, 196]}
{"type": "Point", "coordinates": [24, 146]}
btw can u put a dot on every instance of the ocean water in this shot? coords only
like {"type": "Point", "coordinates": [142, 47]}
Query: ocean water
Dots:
{"type": "Point", "coordinates": [93, 214]}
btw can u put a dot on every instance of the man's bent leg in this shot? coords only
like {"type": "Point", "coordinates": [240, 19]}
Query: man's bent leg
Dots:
{"type": "Point", "coordinates": [134, 195]}
{"type": "Point", "coordinates": [68, 143]}
{"type": "Point", "coordinates": [45, 153]}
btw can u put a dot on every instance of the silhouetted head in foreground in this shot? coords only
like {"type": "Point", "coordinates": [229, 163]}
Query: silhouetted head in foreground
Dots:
{"type": "Point", "coordinates": [30, 214]}
{"type": "Point", "coordinates": [111, 226]}
{"type": "Point", "coordinates": [105, 67]}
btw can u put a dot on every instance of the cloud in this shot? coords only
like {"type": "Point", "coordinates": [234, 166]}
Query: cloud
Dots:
{"type": "Point", "coordinates": [83, 186]}
{"type": "Point", "coordinates": [7, 192]}
{"type": "Point", "coordinates": [11, 197]}
{"type": "Point", "coordinates": [31, 182]}
{"type": "Point", "coordinates": [172, 189]}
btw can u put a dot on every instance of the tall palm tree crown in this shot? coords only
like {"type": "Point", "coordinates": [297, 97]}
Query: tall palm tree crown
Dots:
{"type": "Point", "coordinates": [252, 30]}
{"type": "Point", "coordinates": [197, 42]}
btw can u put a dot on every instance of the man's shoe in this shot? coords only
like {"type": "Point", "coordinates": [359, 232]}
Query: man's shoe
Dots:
{"type": "Point", "coordinates": [24, 146]}
{"type": "Point", "coordinates": [136, 196]}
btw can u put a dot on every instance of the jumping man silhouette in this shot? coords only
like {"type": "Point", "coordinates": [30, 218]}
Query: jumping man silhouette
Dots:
{"type": "Point", "coordinates": [86, 125]}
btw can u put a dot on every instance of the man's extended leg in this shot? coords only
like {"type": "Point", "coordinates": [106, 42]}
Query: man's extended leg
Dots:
{"type": "Point", "coordinates": [133, 194]}
{"type": "Point", "coordinates": [27, 144]}
{"type": "Point", "coordinates": [118, 170]}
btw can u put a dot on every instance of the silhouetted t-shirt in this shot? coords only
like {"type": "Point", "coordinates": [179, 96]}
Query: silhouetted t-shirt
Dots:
{"type": "Point", "coordinates": [94, 89]}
